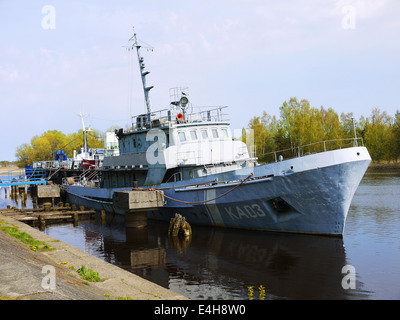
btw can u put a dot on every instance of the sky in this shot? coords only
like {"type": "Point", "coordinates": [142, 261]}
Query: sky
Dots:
{"type": "Point", "coordinates": [60, 58]}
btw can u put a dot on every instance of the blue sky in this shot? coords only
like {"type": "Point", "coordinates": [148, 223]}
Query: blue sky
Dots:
{"type": "Point", "coordinates": [251, 55]}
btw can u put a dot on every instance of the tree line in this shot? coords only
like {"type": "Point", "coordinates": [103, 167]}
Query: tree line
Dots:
{"type": "Point", "coordinates": [45, 146]}
{"type": "Point", "coordinates": [300, 124]}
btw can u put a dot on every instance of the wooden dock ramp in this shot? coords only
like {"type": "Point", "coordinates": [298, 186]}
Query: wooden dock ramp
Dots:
{"type": "Point", "coordinates": [46, 214]}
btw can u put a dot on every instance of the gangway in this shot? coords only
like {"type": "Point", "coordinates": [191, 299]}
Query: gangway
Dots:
{"type": "Point", "coordinates": [19, 177]}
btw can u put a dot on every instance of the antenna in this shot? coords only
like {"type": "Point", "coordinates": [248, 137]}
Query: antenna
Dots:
{"type": "Point", "coordinates": [143, 74]}
{"type": "Point", "coordinates": [85, 145]}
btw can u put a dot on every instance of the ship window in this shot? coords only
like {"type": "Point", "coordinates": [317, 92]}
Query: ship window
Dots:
{"type": "Point", "coordinates": [225, 133]}
{"type": "Point", "coordinates": [193, 135]}
{"type": "Point", "coordinates": [182, 136]}
{"type": "Point", "coordinates": [215, 133]}
{"type": "Point", "coordinates": [204, 134]}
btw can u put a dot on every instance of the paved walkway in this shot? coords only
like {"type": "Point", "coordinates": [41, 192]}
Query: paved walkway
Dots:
{"type": "Point", "coordinates": [21, 274]}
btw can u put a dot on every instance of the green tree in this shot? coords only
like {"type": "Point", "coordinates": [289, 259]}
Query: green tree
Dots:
{"type": "Point", "coordinates": [270, 125]}
{"type": "Point", "coordinates": [44, 147]}
{"type": "Point", "coordinates": [302, 123]}
{"type": "Point", "coordinates": [378, 136]}
{"type": "Point", "coordinates": [396, 136]}
{"type": "Point", "coordinates": [24, 155]}
{"type": "Point", "coordinates": [75, 141]}
{"type": "Point", "coordinates": [262, 135]}
{"type": "Point", "coordinates": [331, 124]}
{"type": "Point", "coordinates": [256, 136]}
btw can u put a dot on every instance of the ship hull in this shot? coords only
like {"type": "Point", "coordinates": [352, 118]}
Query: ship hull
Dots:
{"type": "Point", "coordinates": [310, 194]}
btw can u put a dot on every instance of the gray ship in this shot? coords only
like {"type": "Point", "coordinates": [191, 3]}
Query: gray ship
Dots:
{"type": "Point", "coordinates": [213, 179]}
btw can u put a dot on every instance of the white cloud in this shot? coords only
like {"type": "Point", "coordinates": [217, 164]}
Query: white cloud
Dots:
{"type": "Point", "coordinates": [9, 74]}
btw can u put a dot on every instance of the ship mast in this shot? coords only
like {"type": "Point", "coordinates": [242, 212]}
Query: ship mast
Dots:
{"type": "Point", "coordinates": [143, 74]}
{"type": "Point", "coordinates": [85, 144]}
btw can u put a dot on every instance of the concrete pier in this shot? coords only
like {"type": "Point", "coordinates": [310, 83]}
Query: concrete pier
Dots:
{"type": "Point", "coordinates": [22, 275]}
{"type": "Point", "coordinates": [138, 200]}
{"type": "Point", "coordinates": [136, 203]}
{"type": "Point", "coordinates": [46, 193]}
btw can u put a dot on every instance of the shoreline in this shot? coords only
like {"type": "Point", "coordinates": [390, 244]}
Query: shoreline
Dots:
{"type": "Point", "coordinates": [18, 261]}
{"type": "Point", "coordinates": [384, 166]}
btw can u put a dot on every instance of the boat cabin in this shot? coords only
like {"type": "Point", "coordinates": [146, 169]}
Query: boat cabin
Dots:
{"type": "Point", "coordinates": [174, 148]}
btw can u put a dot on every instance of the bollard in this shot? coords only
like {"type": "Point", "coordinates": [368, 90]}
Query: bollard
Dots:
{"type": "Point", "coordinates": [61, 204]}
{"type": "Point", "coordinates": [5, 192]}
{"type": "Point", "coordinates": [42, 223]}
{"type": "Point", "coordinates": [73, 207]}
{"type": "Point", "coordinates": [81, 208]}
{"type": "Point", "coordinates": [47, 206]}
{"type": "Point", "coordinates": [23, 198]}
{"type": "Point", "coordinates": [76, 218]}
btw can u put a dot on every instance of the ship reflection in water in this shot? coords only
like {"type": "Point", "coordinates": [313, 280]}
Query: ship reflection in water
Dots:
{"type": "Point", "coordinates": [219, 263]}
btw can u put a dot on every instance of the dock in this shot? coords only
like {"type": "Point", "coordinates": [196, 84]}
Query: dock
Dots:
{"type": "Point", "coordinates": [48, 214]}
{"type": "Point", "coordinates": [22, 273]}
{"type": "Point", "coordinates": [22, 178]}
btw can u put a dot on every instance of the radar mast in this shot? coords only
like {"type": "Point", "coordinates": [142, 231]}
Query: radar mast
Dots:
{"type": "Point", "coordinates": [143, 74]}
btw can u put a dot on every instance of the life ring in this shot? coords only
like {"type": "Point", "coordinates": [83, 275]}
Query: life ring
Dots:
{"type": "Point", "coordinates": [179, 117]}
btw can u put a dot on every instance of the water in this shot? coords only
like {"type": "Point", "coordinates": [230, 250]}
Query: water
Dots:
{"type": "Point", "coordinates": [223, 263]}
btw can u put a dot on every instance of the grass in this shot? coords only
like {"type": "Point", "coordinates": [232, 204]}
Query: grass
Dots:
{"type": "Point", "coordinates": [7, 298]}
{"type": "Point", "coordinates": [26, 238]}
{"type": "Point", "coordinates": [89, 274]}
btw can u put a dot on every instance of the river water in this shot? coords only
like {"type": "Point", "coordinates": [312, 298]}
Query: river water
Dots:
{"type": "Point", "coordinates": [223, 263]}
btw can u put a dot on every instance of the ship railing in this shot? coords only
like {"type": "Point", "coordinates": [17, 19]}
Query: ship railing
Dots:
{"type": "Point", "coordinates": [166, 117]}
{"type": "Point", "coordinates": [88, 177]}
{"type": "Point", "coordinates": [312, 148]}
{"type": "Point", "coordinates": [25, 176]}
{"type": "Point", "coordinates": [56, 164]}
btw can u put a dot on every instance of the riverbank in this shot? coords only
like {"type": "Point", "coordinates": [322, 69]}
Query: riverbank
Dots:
{"type": "Point", "coordinates": [384, 166]}
{"type": "Point", "coordinates": [27, 271]}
